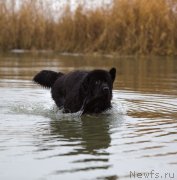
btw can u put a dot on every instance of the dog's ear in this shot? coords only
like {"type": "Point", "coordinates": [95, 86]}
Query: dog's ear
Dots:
{"type": "Point", "coordinates": [112, 72]}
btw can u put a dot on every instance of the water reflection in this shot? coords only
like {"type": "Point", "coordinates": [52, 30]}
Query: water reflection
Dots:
{"type": "Point", "coordinates": [92, 132]}
{"type": "Point", "coordinates": [147, 74]}
{"type": "Point", "coordinates": [141, 136]}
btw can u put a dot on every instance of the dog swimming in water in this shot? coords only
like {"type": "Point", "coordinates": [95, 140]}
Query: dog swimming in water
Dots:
{"type": "Point", "coordinates": [87, 91]}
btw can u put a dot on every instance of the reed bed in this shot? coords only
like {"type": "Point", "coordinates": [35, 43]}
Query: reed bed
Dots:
{"type": "Point", "coordinates": [126, 27]}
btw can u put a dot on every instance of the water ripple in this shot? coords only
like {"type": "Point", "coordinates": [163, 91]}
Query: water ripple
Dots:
{"type": "Point", "coordinates": [139, 131]}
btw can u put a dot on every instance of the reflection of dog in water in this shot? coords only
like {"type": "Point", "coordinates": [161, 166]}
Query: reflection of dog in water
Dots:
{"type": "Point", "coordinates": [91, 132]}
{"type": "Point", "coordinates": [88, 91]}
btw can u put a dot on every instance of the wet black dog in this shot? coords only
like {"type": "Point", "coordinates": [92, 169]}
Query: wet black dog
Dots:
{"type": "Point", "coordinates": [88, 91]}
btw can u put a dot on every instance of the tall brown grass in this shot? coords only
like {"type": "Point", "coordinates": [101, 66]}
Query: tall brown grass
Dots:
{"type": "Point", "coordinates": [127, 27]}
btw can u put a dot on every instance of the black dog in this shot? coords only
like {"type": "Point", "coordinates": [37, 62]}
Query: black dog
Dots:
{"type": "Point", "coordinates": [88, 91]}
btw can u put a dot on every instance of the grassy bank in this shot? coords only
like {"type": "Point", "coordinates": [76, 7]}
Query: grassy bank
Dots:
{"type": "Point", "coordinates": [127, 27]}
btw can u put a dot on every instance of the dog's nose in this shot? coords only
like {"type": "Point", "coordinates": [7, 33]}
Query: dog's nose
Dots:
{"type": "Point", "coordinates": [105, 89]}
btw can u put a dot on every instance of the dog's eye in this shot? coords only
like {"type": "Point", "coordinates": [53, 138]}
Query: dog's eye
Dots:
{"type": "Point", "coordinates": [97, 82]}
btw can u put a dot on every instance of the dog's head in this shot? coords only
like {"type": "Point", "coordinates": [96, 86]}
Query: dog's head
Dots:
{"type": "Point", "coordinates": [98, 85]}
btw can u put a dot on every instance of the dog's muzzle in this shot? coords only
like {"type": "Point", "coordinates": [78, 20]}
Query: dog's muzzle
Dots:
{"type": "Point", "coordinates": [105, 90]}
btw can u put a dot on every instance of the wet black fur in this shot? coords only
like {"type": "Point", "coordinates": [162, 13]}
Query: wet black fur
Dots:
{"type": "Point", "coordinates": [90, 91]}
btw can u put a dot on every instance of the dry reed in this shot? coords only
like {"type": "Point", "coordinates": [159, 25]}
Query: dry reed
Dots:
{"type": "Point", "coordinates": [127, 27]}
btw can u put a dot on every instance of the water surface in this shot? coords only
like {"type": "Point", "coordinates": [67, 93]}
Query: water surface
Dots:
{"type": "Point", "coordinates": [139, 134]}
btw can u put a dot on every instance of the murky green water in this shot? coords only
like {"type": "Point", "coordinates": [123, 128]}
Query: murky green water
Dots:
{"type": "Point", "coordinates": [139, 135]}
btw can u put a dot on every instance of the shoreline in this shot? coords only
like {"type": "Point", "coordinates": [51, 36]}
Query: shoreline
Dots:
{"type": "Point", "coordinates": [95, 54]}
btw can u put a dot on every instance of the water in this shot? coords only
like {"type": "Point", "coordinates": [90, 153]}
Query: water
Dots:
{"type": "Point", "coordinates": [138, 135]}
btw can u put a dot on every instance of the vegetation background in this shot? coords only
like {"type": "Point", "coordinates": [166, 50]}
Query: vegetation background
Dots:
{"type": "Point", "coordinates": [124, 27]}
